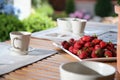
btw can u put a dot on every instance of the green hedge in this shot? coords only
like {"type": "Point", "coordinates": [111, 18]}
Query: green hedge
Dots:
{"type": "Point", "coordinates": [118, 2]}
{"type": "Point", "coordinates": [9, 23]}
{"type": "Point", "coordinates": [36, 22]}
{"type": "Point", "coordinates": [70, 6]}
{"type": "Point", "coordinates": [103, 8]}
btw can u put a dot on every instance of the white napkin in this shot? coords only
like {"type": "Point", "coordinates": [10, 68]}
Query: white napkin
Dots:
{"type": "Point", "coordinates": [10, 60]}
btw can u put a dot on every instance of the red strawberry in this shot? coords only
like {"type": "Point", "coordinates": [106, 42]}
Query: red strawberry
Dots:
{"type": "Point", "coordinates": [94, 37]}
{"type": "Point", "coordinates": [96, 41]}
{"type": "Point", "coordinates": [97, 53]}
{"type": "Point", "coordinates": [103, 44]}
{"type": "Point", "coordinates": [89, 50]}
{"type": "Point", "coordinates": [71, 49]}
{"type": "Point", "coordinates": [75, 51]}
{"type": "Point", "coordinates": [94, 55]}
{"type": "Point", "coordinates": [86, 38]}
{"type": "Point", "coordinates": [97, 47]}
{"type": "Point", "coordinates": [81, 41]}
{"type": "Point", "coordinates": [111, 44]}
{"type": "Point", "coordinates": [77, 45]}
{"type": "Point", "coordinates": [108, 53]}
{"type": "Point", "coordinates": [66, 45]}
{"type": "Point", "coordinates": [109, 47]}
{"type": "Point", "coordinates": [72, 41]}
{"type": "Point", "coordinates": [113, 52]}
{"type": "Point", "coordinates": [88, 44]}
{"type": "Point", "coordinates": [83, 55]}
{"type": "Point", "coordinates": [63, 43]}
{"type": "Point", "coordinates": [90, 47]}
{"type": "Point", "coordinates": [100, 52]}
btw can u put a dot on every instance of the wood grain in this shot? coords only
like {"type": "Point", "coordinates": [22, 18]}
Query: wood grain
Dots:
{"type": "Point", "coordinates": [46, 69]}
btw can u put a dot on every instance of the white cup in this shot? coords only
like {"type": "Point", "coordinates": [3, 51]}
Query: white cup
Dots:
{"type": "Point", "coordinates": [86, 70]}
{"type": "Point", "coordinates": [64, 25]}
{"type": "Point", "coordinates": [20, 41]}
{"type": "Point", "coordinates": [78, 26]}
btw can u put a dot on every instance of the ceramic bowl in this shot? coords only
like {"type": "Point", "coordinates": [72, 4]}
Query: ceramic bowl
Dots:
{"type": "Point", "coordinates": [87, 70]}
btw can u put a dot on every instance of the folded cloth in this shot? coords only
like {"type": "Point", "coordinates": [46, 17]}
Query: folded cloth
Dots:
{"type": "Point", "coordinates": [10, 60]}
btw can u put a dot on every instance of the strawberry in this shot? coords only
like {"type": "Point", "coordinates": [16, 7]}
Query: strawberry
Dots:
{"type": "Point", "coordinates": [86, 38]}
{"type": "Point", "coordinates": [90, 47]}
{"type": "Point", "coordinates": [88, 44]}
{"type": "Point", "coordinates": [100, 52]}
{"type": "Point", "coordinates": [114, 52]}
{"type": "Point", "coordinates": [111, 44]}
{"type": "Point", "coordinates": [108, 53]}
{"type": "Point", "coordinates": [94, 37]}
{"type": "Point", "coordinates": [77, 45]}
{"type": "Point", "coordinates": [97, 53]}
{"type": "Point", "coordinates": [71, 49]}
{"type": "Point", "coordinates": [75, 51]}
{"type": "Point", "coordinates": [103, 44]}
{"type": "Point", "coordinates": [89, 50]}
{"type": "Point", "coordinates": [97, 47]}
{"type": "Point", "coordinates": [81, 41]}
{"type": "Point", "coordinates": [109, 47]}
{"type": "Point", "coordinates": [63, 43]}
{"type": "Point", "coordinates": [66, 45]}
{"type": "Point", "coordinates": [83, 55]}
{"type": "Point", "coordinates": [94, 55]}
{"type": "Point", "coordinates": [96, 41]}
{"type": "Point", "coordinates": [71, 41]}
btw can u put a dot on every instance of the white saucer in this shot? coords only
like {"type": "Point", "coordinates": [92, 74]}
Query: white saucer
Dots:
{"type": "Point", "coordinates": [17, 52]}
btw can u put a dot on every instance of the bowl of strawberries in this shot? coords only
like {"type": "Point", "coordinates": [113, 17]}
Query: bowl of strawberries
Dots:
{"type": "Point", "coordinates": [89, 48]}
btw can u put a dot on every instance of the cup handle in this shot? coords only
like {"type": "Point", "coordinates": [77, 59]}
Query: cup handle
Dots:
{"type": "Point", "coordinates": [14, 43]}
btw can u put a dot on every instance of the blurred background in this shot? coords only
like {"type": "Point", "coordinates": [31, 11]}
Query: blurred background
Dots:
{"type": "Point", "coordinates": [37, 15]}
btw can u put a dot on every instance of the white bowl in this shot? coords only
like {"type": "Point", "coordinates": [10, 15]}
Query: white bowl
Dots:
{"type": "Point", "coordinates": [86, 70]}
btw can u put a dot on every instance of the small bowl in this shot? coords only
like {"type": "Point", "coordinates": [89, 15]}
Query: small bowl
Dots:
{"type": "Point", "coordinates": [87, 70]}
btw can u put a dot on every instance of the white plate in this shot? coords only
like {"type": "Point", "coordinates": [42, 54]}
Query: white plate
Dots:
{"type": "Point", "coordinates": [58, 44]}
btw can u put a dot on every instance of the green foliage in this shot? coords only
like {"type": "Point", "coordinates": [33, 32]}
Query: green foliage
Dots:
{"type": "Point", "coordinates": [118, 2]}
{"type": "Point", "coordinates": [9, 23]}
{"type": "Point", "coordinates": [38, 3]}
{"type": "Point", "coordinates": [38, 22]}
{"type": "Point", "coordinates": [59, 15]}
{"type": "Point", "coordinates": [103, 8]}
{"type": "Point", "coordinates": [70, 6]}
{"type": "Point", "coordinates": [45, 8]}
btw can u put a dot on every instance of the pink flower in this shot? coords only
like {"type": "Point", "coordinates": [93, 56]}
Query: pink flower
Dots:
{"type": "Point", "coordinates": [87, 17]}
{"type": "Point", "coordinates": [72, 15]}
{"type": "Point", "coordinates": [81, 14]}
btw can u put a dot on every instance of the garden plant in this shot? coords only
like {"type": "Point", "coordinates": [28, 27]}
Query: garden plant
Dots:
{"type": "Point", "coordinates": [103, 8]}
{"type": "Point", "coordinates": [39, 20]}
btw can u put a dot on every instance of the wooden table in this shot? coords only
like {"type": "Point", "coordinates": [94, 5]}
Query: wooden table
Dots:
{"type": "Point", "coordinates": [45, 69]}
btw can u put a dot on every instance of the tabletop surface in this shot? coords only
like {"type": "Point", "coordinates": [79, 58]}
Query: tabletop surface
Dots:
{"type": "Point", "coordinates": [106, 32]}
{"type": "Point", "coordinates": [45, 69]}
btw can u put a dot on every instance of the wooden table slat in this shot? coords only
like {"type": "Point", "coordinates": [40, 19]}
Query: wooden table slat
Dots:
{"type": "Point", "coordinates": [46, 69]}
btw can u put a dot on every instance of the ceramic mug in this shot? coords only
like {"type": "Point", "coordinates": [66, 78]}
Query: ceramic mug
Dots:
{"type": "Point", "coordinates": [64, 25]}
{"type": "Point", "coordinates": [86, 70]}
{"type": "Point", "coordinates": [20, 41]}
{"type": "Point", "coordinates": [78, 26]}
